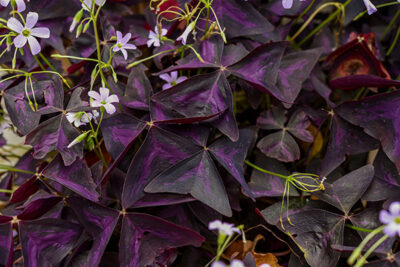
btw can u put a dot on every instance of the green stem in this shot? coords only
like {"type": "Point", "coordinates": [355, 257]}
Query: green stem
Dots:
{"type": "Point", "coordinates": [47, 62]}
{"type": "Point", "coordinates": [39, 63]}
{"type": "Point", "coordinates": [302, 14]}
{"type": "Point", "coordinates": [363, 258]}
{"type": "Point", "coordinates": [6, 191]}
{"type": "Point", "coordinates": [72, 57]}
{"type": "Point", "coordinates": [12, 169]}
{"type": "Point", "coordinates": [377, 6]}
{"type": "Point", "coordinates": [390, 25]}
{"type": "Point", "coordinates": [359, 228]}
{"type": "Point", "coordinates": [394, 42]}
{"type": "Point", "coordinates": [321, 25]}
{"type": "Point", "coordinates": [265, 171]}
{"type": "Point", "coordinates": [147, 58]}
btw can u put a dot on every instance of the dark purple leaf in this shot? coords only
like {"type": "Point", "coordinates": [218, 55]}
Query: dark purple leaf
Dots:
{"type": "Point", "coordinates": [345, 139]}
{"type": "Point", "coordinates": [138, 89]}
{"type": "Point", "coordinates": [46, 242]}
{"type": "Point", "coordinates": [281, 146]}
{"type": "Point", "coordinates": [358, 81]}
{"type": "Point", "coordinates": [119, 132]}
{"type": "Point", "coordinates": [6, 242]}
{"type": "Point", "coordinates": [55, 134]}
{"type": "Point", "coordinates": [99, 222]}
{"type": "Point", "coordinates": [240, 18]}
{"type": "Point", "coordinates": [290, 79]}
{"type": "Point", "coordinates": [379, 116]}
{"type": "Point", "coordinates": [298, 124]}
{"type": "Point", "coordinates": [200, 96]}
{"type": "Point", "coordinates": [196, 176]}
{"type": "Point", "coordinates": [260, 67]}
{"type": "Point", "coordinates": [76, 177]}
{"type": "Point", "coordinates": [231, 155]}
{"type": "Point", "coordinates": [346, 191]}
{"type": "Point", "coordinates": [145, 237]}
{"type": "Point", "coordinates": [160, 150]}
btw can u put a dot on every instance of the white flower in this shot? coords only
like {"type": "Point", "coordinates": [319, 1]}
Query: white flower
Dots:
{"type": "Point", "coordinates": [122, 44]}
{"type": "Point", "coordinates": [27, 32]}
{"type": "Point", "coordinates": [265, 265]}
{"type": "Point", "coordinates": [155, 37]}
{"type": "Point", "coordinates": [223, 228]}
{"type": "Point", "coordinates": [392, 219]}
{"type": "Point", "coordinates": [172, 79]}
{"type": "Point", "coordinates": [20, 4]}
{"type": "Point", "coordinates": [104, 99]}
{"type": "Point", "coordinates": [183, 37]}
{"type": "Point", "coordinates": [87, 4]}
{"type": "Point", "coordinates": [79, 118]}
{"type": "Point", "coordinates": [236, 263]}
{"type": "Point", "coordinates": [218, 264]}
{"type": "Point", "coordinates": [370, 7]}
{"type": "Point", "coordinates": [288, 3]}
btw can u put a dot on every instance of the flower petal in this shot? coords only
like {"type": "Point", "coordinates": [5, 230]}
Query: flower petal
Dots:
{"type": "Point", "coordinates": [236, 263]}
{"type": "Point", "coordinates": [119, 36]}
{"type": "Point", "coordinates": [20, 5]}
{"type": "Point", "coordinates": [181, 79]}
{"type": "Point", "coordinates": [112, 99]}
{"type": "Point", "coordinates": [126, 38]}
{"type": "Point", "coordinates": [166, 77]}
{"type": "Point", "coordinates": [94, 95]}
{"type": "Point", "coordinates": [31, 19]}
{"type": "Point", "coordinates": [287, 3]}
{"type": "Point", "coordinates": [391, 229]}
{"type": "Point", "coordinates": [20, 41]}
{"type": "Point", "coordinates": [104, 93]}
{"type": "Point", "coordinates": [214, 225]}
{"type": "Point", "coordinates": [150, 42]}
{"type": "Point", "coordinates": [370, 7]}
{"type": "Point", "coordinates": [124, 53]}
{"type": "Point", "coordinates": [109, 108]}
{"type": "Point", "coordinates": [96, 104]}
{"type": "Point", "coordinates": [164, 32]}
{"type": "Point", "coordinates": [34, 44]}
{"type": "Point", "coordinates": [174, 75]}
{"type": "Point", "coordinates": [385, 217]}
{"type": "Point", "coordinates": [116, 48]}
{"type": "Point", "coordinates": [41, 32]}
{"type": "Point", "coordinates": [166, 86]}
{"type": "Point", "coordinates": [394, 208]}
{"type": "Point", "coordinates": [4, 2]}
{"type": "Point", "coordinates": [15, 25]}
{"type": "Point", "coordinates": [130, 46]}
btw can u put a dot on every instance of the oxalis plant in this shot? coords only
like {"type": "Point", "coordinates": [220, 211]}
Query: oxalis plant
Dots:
{"type": "Point", "coordinates": [199, 133]}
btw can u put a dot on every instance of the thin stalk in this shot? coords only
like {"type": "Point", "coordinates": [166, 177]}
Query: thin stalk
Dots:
{"type": "Point", "coordinates": [363, 258]}
{"type": "Point", "coordinates": [321, 25]}
{"type": "Point", "coordinates": [7, 191]}
{"type": "Point", "coordinates": [390, 25]}
{"type": "Point", "coordinates": [265, 171]}
{"type": "Point", "coordinates": [39, 63]}
{"type": "Point", "coordinates": [47, 62]}
{"type": "Point", "coordinates": [365, 230]}
{"type": "Point", "coordinates": [12, 169]}
{"type": "Point", "coordinates": [394, 42]}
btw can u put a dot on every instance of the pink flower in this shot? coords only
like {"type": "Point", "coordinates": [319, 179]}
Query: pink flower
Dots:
{"type": "Point", "coordinates": [183, 37]}
{"type": "Point", "coordinates": [155, 37]}
{"type": "Point", "coordinates": [122, 44]}
{"type": "Point", "coordinates": [20, 4]}
{"type": "Point", "coordinates": [223, 228]}
{"type": "Point", "coordinates": [391, 219]}
{"type": "Point", "coordinates": [172, 79]}
{"type": "Point", "coordinates": [104, 99]}
{"type": "Point", "coordinates": [370, 7]}
{"type": "Point", "coordinates": [87, 4]}
{"type": "Point", "coordinates": [28, 33]}
{"type": "Point", "coordinates": [288, 3]}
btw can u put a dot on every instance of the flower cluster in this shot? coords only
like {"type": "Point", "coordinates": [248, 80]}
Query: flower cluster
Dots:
{"type": "Point", "coordinates": [391, 219]}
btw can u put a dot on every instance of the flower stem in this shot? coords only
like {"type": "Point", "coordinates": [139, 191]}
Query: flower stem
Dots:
{"type": "Point", "coordinates": [12, 169]}
{"type": "Point", "coordinates": [47, 62]}
{"type": "Point", "coordinates": [363, 258]}
{"type": "Point", "coordinates": [7, 191]}
{"type": "Point", "coordinates": [359, 228]}
{"type": "Point", "coordinates": [265, 171]}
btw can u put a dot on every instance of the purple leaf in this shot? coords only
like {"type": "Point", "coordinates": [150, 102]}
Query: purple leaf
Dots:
{"type": "Point", "coordinates": [138, 89]}
{"type": "Point", "coordinates": [200, 96]}
{"type": "Point", "coordinates": [240, 18]}
{"type": "Point", "coordinates": [281, 146]}
{"type": "Point", "coordinates": [6, 241]}
{"type": "Point", "coordinates": [145, 237]}
{"type": "Point", "coordinates": [99, 222]}
{"type": "Point", "coordinates": [357, 81]}
{"type": "Point", "coordinates": [298, 124]}
{"type": "Point", "coordinates": [260, 68]}
{"type": "Point", "coordinates": [46, 242]}
{"type": "Point", "coordinates": [345, 139]}
{"type": "Point", "coordinates": [55, 134]}
{"type": "Point", "coordinates": [379, 116]}
{"type": "Point", "coordinates": [119, 132]}
{"type": "Point", "coordinates": [231, 155]}
{"type": "Point", "coordinates": [290, 79]}
{"type": "Point", "coordinates": [346, 191]}
{"type": "Point", "coordinates": [160, 150]}
{"type": "Point", "coordinates": [76, 177]}
{"type": "Point", "coordinates": [196, 176]}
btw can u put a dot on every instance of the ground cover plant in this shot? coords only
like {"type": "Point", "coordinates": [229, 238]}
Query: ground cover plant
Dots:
{"type": "Point", "coordinates": [199, 133]}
